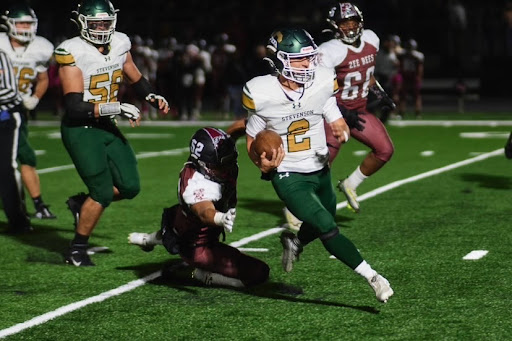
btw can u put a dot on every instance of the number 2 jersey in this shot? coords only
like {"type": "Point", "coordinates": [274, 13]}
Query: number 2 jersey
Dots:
{"type": "Point", "coordinates": [28, 60]}
{"type": "Point", "coordinates": [102, 73]}
{"type": "Point", "coordinates": [354, 67]}
{"type": "Point", "coordinates": [299, 120]}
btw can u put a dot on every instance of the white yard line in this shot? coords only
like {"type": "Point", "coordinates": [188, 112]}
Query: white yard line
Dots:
{"type": "Point", "coordinates": [137, 283]}
{"type": "Point", "coordinates": [433, 172]}
{"type": "Point", "coordinates": [475, 255]}
{"type": "Point", "coordinates": [397, 123]}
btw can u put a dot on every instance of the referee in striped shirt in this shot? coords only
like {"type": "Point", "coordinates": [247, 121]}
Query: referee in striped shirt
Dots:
{"type": "Point", "coordinates": [10, 120]}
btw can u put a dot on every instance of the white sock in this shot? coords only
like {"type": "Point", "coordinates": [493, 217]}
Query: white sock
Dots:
{"type": "Point", "coordinates": [155, 238]}
{"type": "Point", "coordinates": [356, 178]}
{"type": "Point", "coordinates": [365, 270]}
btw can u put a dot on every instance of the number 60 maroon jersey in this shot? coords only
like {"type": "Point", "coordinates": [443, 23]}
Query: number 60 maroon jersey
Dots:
{"type": "Point", "coordinates": [354, 67]}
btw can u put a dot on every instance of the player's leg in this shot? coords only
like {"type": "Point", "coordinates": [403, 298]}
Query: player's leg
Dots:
{"type": "Point", "coordinates": [28, 161]}
{"type": "Point", "coordinates": [220, 264]}
{"type": "Point", "coordinates": [418, 105]}
{"type": "Point", "coordinates": [86, 147]}
{"type": "Point", "coordinates": [374, 136]}
{"type": "Point", "coordinates": [123, 167]}
{"type": "Point", "coordinates": [318, 217]}
{"type": "Point", "coordinates": [9, 191]}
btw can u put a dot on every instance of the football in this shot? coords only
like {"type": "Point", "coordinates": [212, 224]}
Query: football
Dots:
{"type": "Point", "coordinates": [265, 141]}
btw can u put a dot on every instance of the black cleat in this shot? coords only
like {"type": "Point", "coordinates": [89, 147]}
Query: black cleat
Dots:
{"type": "Point", "coordinates": [43, 212]}
{"type": "Point", "coordinates": [20, 230]}
{"type": "Point", "coordinates": [77, 256]}
{"type": "Point", "coordinates": [75, 205]}
{"type": "Point", "coordinates": [508, 147]}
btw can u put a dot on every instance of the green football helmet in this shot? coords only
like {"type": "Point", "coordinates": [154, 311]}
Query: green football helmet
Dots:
{"type": "Point", "coordinates": [287, 44]}
{"type": "Point", "coordinates": [21, 13]}
{"type": "Point", "coordinates": [96, 20]}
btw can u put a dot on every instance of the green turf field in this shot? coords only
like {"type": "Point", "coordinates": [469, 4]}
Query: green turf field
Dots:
{"type": "Point", "coordinates": [415, 232]}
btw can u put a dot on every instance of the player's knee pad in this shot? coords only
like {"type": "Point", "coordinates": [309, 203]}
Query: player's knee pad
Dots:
{"type": "Point", "coordinates": [129, 189]}
{"type": "Point", "coordinates": [103, 195]}
{"type": "Point", "coordinates": [26, 155]}
{"type": "Point", "coordinates": [329, 235]}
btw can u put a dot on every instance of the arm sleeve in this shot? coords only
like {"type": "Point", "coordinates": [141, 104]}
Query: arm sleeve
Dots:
{"type": "Point", "coordinates": [76, 108]}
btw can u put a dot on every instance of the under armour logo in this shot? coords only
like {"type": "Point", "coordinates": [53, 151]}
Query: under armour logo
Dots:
{"type": "Point", "coordinates": [296, 105]}
{"type": "Point", "coordinates": [107, 58]}
{"type": "Point", "coordinates": [285, 175]}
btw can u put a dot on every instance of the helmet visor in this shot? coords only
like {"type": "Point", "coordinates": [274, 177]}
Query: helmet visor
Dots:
{"type": "Point", "coordinates": [299, 67]}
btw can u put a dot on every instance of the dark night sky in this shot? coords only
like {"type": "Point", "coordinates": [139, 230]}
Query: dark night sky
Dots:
{"type": "Point", "coordinates": [425, 20]}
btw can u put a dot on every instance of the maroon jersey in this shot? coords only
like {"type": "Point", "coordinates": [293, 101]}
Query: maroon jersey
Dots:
{"type": "Point", "coordinates": [192, 189]}
{"type": "Point", "coordinates": [199, 244]}
{"type": "Point", "coordinates": [354, 68]}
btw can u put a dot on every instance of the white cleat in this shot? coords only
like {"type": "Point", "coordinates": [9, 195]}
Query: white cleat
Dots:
{"type": "Point", "coordinates": [293, 222]}
{"type": "Point", "coordinates": [351, 195]}
{"type": "Point", "coordinates": [381, 287]}
{"type": "Point", "coordinates": [143, 240]}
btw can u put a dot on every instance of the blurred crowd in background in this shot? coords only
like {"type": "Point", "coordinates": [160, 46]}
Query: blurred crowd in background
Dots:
{"type": "Point", "coordinates": [200, 53]}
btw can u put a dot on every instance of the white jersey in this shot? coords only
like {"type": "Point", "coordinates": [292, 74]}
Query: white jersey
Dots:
{"type": "Point", "coordinates": [334, 52]}
{"type": "Point", "coordinates": [102, 73]}
{"type": "Point", "coordinates": [298, 119]}
{"type": "Point", "coordinates": [28, 61]}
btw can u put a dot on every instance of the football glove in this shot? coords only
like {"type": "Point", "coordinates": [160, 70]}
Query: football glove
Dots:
{"type": "Point", "coordinates": [225, 220]}
{"type": "Point", "coordinates": [353, 120]}
{"type": "Point", "coordinates": [153, 100]}
{"type": "Point", "coordinates": [377, 97]}
{"type": "Point", "coordinates": [130, 111]}
{"type": "Point", "coordinates": [30, 102]}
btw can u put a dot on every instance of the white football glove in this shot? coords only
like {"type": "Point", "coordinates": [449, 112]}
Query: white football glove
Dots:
{"type": "Point", "coordinates": [130, 111]}
{"type": "Point", "coordinates": [30, 102]}
{"type": "Point", "coordinates": [127, 110]}
{"type": "Point", "coordinates": [225, 220]}
{"type": "Point", "coordinates": [153, 99]}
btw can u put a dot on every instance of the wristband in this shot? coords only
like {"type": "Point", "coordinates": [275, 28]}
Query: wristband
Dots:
{"type": "Point", "coordinates": [112, 108]}
{"type": "Point", "coordinates": [217, 218]}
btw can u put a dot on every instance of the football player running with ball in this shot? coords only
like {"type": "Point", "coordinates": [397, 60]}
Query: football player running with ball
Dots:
{"type": "Point", "coordinates": [206, 210]}
{"type": "Point", "coordinates": [92, 66]}
{"type": "Point", "coordinates": [294, 101]}
{"type": "Point", "coordinates": [352, 52]}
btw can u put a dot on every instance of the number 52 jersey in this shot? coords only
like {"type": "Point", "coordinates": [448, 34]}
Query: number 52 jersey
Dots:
{"type": "Point", "coordinates": [102, 73]}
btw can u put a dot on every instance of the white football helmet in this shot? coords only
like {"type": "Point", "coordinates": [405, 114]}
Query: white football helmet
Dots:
{"type": "Point", "coordinates": [97, 21]}
{"type": "Point", "coordinates": [21, 21]}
